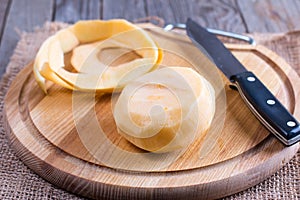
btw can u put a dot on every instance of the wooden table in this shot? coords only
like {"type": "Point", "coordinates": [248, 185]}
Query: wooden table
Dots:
{"type": "Point", "coordinates": [231, 15]}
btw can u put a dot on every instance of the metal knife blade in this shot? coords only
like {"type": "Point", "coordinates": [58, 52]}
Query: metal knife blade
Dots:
{"type": "Point", "coordinates": [264, 105]}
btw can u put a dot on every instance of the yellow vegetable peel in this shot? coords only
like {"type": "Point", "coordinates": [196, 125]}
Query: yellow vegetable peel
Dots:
{"type": "Point", "coordinates": [91, 73]}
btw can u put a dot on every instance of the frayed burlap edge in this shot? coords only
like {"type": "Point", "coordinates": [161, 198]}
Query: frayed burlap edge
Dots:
{"type": "Point", "coordinates": [18, 181]}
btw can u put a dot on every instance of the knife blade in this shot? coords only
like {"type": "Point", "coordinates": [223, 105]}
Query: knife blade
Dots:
{"type": "Point", "coordinates": [263, 104]}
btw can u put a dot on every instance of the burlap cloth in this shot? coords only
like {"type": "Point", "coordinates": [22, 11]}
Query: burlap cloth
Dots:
{"type": "Point", "coordinates": [17, 181]}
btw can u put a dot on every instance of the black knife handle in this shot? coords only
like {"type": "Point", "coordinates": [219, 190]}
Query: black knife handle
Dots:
{"type": "Point", "coordinates": [266, 107]}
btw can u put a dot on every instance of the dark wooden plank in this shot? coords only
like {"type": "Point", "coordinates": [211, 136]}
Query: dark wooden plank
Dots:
{"type": "Point", "coordinates": [71, 11]}
{"type": "Point", "coordinates": [23, 15]}
{"type": "Point", "coordinates": [270, 15]}
{"type": "Point", "coordinates": [130, 9]}
{"type": "Point", "coordinates": [171, 12]}
{"type": "Point", "coordinates": [213, 14]}
{"type": "Point", "coordinates": [4, 7]}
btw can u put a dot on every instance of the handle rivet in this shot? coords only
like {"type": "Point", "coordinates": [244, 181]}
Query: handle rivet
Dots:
{"type": "Point", "coordinates": [271, 102]}
{"type": "Point", "coordinates": [250, 79]}
{"type": "Point", "coordinates": [291, 123]}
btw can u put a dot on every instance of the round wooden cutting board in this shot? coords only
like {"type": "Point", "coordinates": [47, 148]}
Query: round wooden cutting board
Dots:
{"type": "Point", "coordinates": [70, 138]}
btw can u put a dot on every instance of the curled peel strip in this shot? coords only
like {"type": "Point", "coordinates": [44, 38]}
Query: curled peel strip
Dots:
{"type": "Point", "coordinates": [49, 63]}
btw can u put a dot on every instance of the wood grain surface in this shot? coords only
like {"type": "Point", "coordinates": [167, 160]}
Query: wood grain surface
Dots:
{"type": "Point", "coordinates": [52, 134]}
{"type": "Point", "coordinates": [21, 18]}
{"type": "Point", "coordinates": [270, 16]}
{"type": "Point", "coordinates": [229, 15]}
{"type": "Point", "coordinates": [4, 7]}
{"type": "Point", "coordinates": [122, 9]}
{"type": "Point", "coordinates": [245, 16]}
{"type": "Point", "coordinates": [72, 11]}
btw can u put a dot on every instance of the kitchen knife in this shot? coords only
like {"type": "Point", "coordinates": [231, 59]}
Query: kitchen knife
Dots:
{"type": "Point", "coordinates": [264, 105]}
